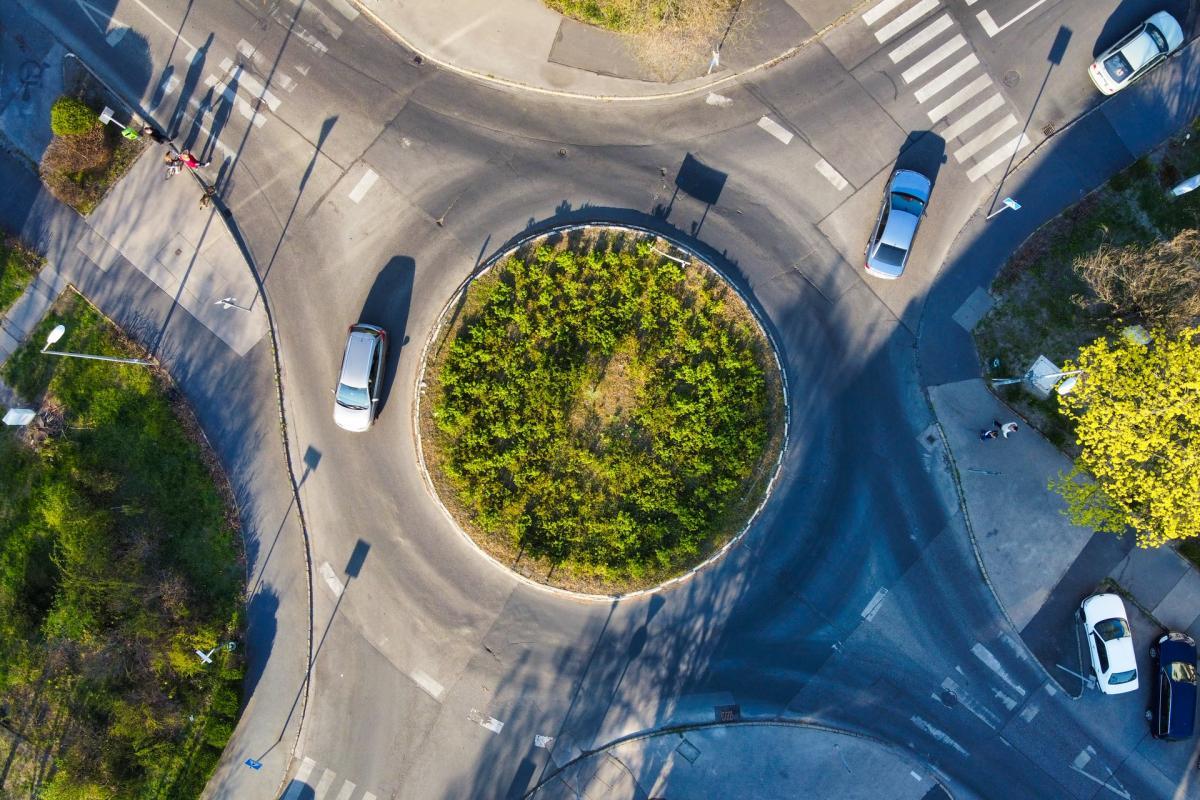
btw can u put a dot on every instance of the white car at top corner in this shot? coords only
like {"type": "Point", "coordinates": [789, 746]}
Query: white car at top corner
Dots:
{"type": "Point", "coordinates": [1136, 53]}
{"type": "Point", "coordinates": [1110, 643]}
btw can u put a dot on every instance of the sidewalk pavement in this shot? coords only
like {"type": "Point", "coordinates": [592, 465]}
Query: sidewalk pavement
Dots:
{"type": "Point", "coordinates": [742, 760]}
{"type": "Point", "coordinates": [522, 42]}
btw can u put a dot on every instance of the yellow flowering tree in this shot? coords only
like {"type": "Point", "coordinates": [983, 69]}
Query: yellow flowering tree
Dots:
{"type": "Point", "coordinates": [1137, 418]}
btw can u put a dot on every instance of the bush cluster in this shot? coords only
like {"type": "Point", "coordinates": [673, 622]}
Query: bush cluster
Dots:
{"type": "Point", "coordinates": [604, 410]}
{"type": "Point", "coordinates": [70, 116]}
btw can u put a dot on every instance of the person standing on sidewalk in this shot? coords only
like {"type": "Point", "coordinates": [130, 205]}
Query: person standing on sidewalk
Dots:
{"type": "Point", "coordinates": [987, 434]}
{"type": "Point", "coordinates": [1008, 428]}
{"type": "Point", "coordinates": [190, 161]}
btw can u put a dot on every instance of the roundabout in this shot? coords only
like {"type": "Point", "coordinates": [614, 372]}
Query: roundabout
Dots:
{"type": "Point", "coordinates": [600, 414]}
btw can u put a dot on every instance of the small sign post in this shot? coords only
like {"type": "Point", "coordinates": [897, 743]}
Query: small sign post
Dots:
{"type": "Point", "coordinates": [252, 764]}
{"type": "Point", "coordinates": [1007, 203]}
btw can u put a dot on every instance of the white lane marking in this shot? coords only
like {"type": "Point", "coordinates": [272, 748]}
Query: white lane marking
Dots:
{"type": "Point", "coordinates": [872, 608]}
{"type": "Point", "coordinates": [1082, 760]}
{"type": "Point", "coordinates": [346, 791]}
{"type": "Point", "coordinates": [968, 120]}
{"type": "Point", "coordinates": [491, 723]}
{"type": "Point", "coordinates": [331, 27]}
{"type": "Point", "coordinates": [984, 139]}
{"type": "Point", "coordinates": [368, 796]}
{"type": "Point", "coordinates": [992, 663]}
{"type": "Point", "coordinates": [428, 684]}
{"type": "Point", "coordinates": [331, 579]}
{"type": "Point", "coordinates": [1002, 154]}
{"type": "Point", "coordinates": [115, 36]}
{"type": "Point", "coordinates": [220, 89]}
{"type": "Point", "coordinates": [544, 742]}
{"type": "Point", "coordinates": [946, 78]}
{"type": "Point", "coordinates": [916, 777]}
{"type": "Point", "coordinates": [1009, 703]}
{"type": "Point", "coordinates": [879, 10]}
{"type": "Point", "coordinates": [904, 20]}
{"type": "Point", "coordinates": [100, 19]}
{"type": "Point", "coordinates": [958, 98]}
{"type": "Point", "coordinates": [302, 69]}
{"type": "Point", "coordinates": [300, 782]}
{"type": "Point", "coordinates": [938, 734]}
{"type": "Point", "coordinates": [1029, 712]}
{"type": "Point", "coordinates": [1050, 690]}
{"type": "Point", "coordinates": [344, 8]}
{"type": "Point", "coordinates": [933, 59]}
{"type": "Point", "coordinates": [920, 38]}
{"type": "Point", "coordinates": [1084, 757]}
{"type": "Point", "coordinates": [831, 174]}
{"type": "Point", "coordinates": [173, 29]}
{"type": "Point", "coordinates": [195, 103]}
{"type": "Point", "coordinates": [324, 784]}
{"type": "Point", "coordinates": [168, 85]}
{"type": "Point", "coordinates": [775, 129]}
{"type": "Point", "coordinates": [253, 85]}
{"type": "Point", "coordinates": [364, 185]}
{"type": "Point", "coordinates": [991, 28]}
{"type": "Point", "coordinates": [983, 714]}
{"type": "Point", "coordinates": [246, 49]}
{"type": "Point", "coordinates": [718, 100]}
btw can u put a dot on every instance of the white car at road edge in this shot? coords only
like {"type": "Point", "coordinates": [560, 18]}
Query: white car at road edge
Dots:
{"type": "Point", "coordinates": [1136, 53]}
{"type": "Point", "coordinates": [1110, 643]}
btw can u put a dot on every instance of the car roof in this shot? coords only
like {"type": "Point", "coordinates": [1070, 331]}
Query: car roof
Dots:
{"type": "Point", "coordinates": [900, 229]}
{"type": "Point", "coordinates": [1140, 50]}
{"type": "Point", "coordinates": [911, 183]}
{"type": "Point", "coordinates": [356, 365]}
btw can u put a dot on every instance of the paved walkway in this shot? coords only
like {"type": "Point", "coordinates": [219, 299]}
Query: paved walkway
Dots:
{"type": "Point", "coordinates": [523, 43]}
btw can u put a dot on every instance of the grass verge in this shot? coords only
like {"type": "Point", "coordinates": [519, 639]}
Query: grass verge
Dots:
{"type": "Point", "coordinates": [119, 557]}
{"type": "Point", "coordinates": [18, 267]}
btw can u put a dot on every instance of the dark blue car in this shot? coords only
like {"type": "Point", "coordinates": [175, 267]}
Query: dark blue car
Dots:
{"type": "Point", "coordinates": [1172, 711]}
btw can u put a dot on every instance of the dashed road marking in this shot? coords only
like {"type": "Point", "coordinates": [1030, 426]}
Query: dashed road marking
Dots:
{"type": "Point", "coordinates": [933, 59]}
{"type": "Point", "coordinates": [879, 11]}
{"type": "Point", "coordinates": [718, 100]}
{"type": "Point", "coordinates": [981, 713]}
{"type": "Point", "coordinates": [347, 790]}
{"type": "Point", "coordinates": [905, 20]}
{"type": "Point", "coordinates": [364, 185]}
{"type": "Point", "coordinates": [960, 68]}
{"type": "Point", "coordinates": [992, 663]}
{"type": "Point", "coordinates": [253, 85]}
{"type": "Point", "coordinates": [1005, 152]}
{"type": "Point", "coordinates": [324, 784]}
{"type": "Point", "coordinates": [1029, 712]}
{"type": "Point", "coordinates": [831, 174]}
{"type": "Point", "coordinates": [331, 579]}
{"type": "Point", "coordinates": [938, 734]}
{"type": "Point", "coordinates": [872, 608]}
{"type": "Point", "coordinates": [344, 8]}
{"type": "Point", "coordinates": [972, 117]}
{"type": "Point", "coordinates": [775, 129]}
{"type": "Point", "coordinates": [958, 98]}
{"type": "Point", "coordinates": [300, 782]}
{"type": "Point", "coordinates": [168, 84]}
{"type": "Point", "coordinates": [916, 777]}
{"type": "Point", "coordinates": [491, 723]}
{"type": "Point", "coordinates": [545, 742]}
{"type": "Point", "coordinates": [920, 39]}
{"type": "Point", "coordinates": [427, 684]}
{"type": "Point", "coordinates": [220, 89]}
{"type": "Point", "coordinates": [984, 139]}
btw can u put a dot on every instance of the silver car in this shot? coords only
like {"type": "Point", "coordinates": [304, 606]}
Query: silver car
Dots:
{"type": "Point", "coordinates": [1137, 53]}
{"type": "Point", "coordinates": [357, 393]}
{"type": "Point", "coordinates": [903, 206]}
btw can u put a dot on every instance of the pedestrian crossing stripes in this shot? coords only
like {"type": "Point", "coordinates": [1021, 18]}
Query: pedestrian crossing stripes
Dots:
{"type": "Point", "coordinates": [301, 787]}
{"type": "Point", "coordinates": [950, 82]}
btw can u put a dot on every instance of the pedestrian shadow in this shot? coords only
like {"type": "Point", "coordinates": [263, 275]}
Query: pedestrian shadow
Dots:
{"type": "Point", "coordinates": [190, 81]}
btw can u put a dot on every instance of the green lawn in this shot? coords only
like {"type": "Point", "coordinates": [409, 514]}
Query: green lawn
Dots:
{"type": "Point", "coordinates": [119, 556]}
{"type": "Point", "coordinates": [18, 267]}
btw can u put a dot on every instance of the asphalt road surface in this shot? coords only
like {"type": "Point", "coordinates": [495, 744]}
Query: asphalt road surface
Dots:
{"type": "Point", "coordinates": [368, 186]}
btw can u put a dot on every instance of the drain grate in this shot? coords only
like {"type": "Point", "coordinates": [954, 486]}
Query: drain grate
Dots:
{"type": "Point", "coordinates": [728, 713]}
{"type": "Point", "coordinates": [1048, 129]}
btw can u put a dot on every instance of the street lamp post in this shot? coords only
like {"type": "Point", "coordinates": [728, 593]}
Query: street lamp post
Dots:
{"type": "Point", "coordinates": [57, 334]}
{"type": "Point", "coordinates": [1065, 388]}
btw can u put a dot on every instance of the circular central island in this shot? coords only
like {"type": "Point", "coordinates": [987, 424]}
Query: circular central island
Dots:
{"type": "Point", "coordinates": [601, 411]}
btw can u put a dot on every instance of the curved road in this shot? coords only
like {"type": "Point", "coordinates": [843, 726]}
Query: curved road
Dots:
{"type": "Point", "coordinates": [373, 187]}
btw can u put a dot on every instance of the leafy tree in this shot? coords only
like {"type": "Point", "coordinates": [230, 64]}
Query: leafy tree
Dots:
{"type": "Point", "coordinates": [1137, 418]}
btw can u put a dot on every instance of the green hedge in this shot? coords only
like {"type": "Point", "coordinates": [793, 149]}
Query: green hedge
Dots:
{"type": "Point", "coordinates": [70, 116]}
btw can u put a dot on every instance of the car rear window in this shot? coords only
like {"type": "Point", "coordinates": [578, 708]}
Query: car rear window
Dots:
{"type": "Point", "coordinates": [1113, 628]}
{"type": "Point", "coordinates": [892, 256]}
{"type": "Point", "coordinates": [1122, 677]}
{"type": "Point", "coordinates": [1118, 67]}
{"type": "Point", "coordinates": [1160, 41]}
{"type": "Point", "coordinates": [906, 202]}
{"type": "Point", "coordinates": [1182, 672]}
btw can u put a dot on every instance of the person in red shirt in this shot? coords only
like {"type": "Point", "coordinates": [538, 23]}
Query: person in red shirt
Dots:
{"type": "Point", "coordinates": [190, 161]}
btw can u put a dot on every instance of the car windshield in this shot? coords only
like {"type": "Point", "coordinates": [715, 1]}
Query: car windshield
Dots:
{"type": "Point", "coordinates": [1111, 629]}
{"type": "Point", "coordinates": [1160, 41]}
{"type": "Point", "coordinates": [352, 396]}
{"type": "Point", "coordinates": [892, 256]}
{"type": "Point", "coordinates": [1122, 677]}
{"type": "Point", "coordinates": [1182, 671]}
{"type": "Point", "coordinates": [1118, 67]}
{"type": "Point", "coordinates": [905, 202]}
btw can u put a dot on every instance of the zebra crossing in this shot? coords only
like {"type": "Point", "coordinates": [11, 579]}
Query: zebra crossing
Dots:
{"type": "Point", "coordinates": [947, 79]}
{"type": "Point", "coordinates": [325, 783]}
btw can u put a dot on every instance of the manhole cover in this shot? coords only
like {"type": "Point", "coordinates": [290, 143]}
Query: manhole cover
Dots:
{"type": "Point", "coordinates": [688, 751]}
{"type": "Point", "coordinates": [1011, 78]}
{"type": "Point", "coordinates": [728, 713]}
{"type": "Point", "coordinates": [949, 698]}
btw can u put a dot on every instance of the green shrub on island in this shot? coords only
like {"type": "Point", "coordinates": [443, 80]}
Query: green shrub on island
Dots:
{"type": "Point", "coordinates": [70, 116]}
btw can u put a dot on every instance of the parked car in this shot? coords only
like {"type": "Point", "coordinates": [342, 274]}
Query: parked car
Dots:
{"type": "Point", "coordinates": [1110, 643]}
{"type": "Point", "coordinates": [1137, 53]}
{"type": "Point", "coordinates": [357, 393]}
{"type": "Point", "coordinates": [1172, 711]}
{"type": "Point", "coordinates": [903, 206]}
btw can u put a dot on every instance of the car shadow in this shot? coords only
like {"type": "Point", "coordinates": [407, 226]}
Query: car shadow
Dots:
{"type": "Point", "coordinates": [387, 305]}
{"type": "Point", "coordinates": [923, 152]}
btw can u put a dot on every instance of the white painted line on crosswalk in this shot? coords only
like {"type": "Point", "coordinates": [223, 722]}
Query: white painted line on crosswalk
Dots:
{"type": "Point", "coordinates": [491, 723]}
{"type": "Point", "coordinates": [169, 84]}
{"type": "Point", "coordinates": [253, 85]}
{"type": "Point", "coordinates": [975, 115]}
{"type": "Point", "coordinates": [116, 35]}
{"type": "Point", "coordinates": [1004, 153]}
{"type": "Point", "coordinates": [879, 10]}
{"type": "Point", "coordinates": [428, 684]}
{"type": "Point", "coordinates": [916, 777]}
{"type": "Point", "coordinates": [331, 579]}
{"type": "Point", "coordinates": [958, 98]}
{"type": "Point", "coordinates": [544, 742]}
{"type": "Point", "coordinates": [718, 100]}
{"type": "Point", "coordinates": [981, 712]}
{"type": "Point", "coordinates": [831, 174]}
{"type": "Point", "coordinates": [1030, 711]}
{"type": "Point", "coordinates": [245, 48]}
{"type": "Point", "coordinates": [962, 67]}
{"type": "Point", "coordinates": [872, 608]}
{"type": "Point", "coordinates": [368, 796]}
{"type": "Point", "coordinates": [324, 784]}
{"type": "Point", "coordinates": [938, 734]}
{"type": "Point", "coordinates": [364, 185]}
{"type": "Point", "coordinates": [347, 790]}
{"type": "Point", "coordinates": [775, 129]}
{"type": "Point", "coordinates": [933, 59]}
{"type": "Point", "coordinates": [920, 39]}
{"type": "Point", "coordinates": [906, 19]}
{"type": "Point", "coordinates": [344, 8]}
{"type": "Point", "coordinates": [300, 782]}
{"type": "Point", "coordinates": [331, 27]}
{"type": "Point", "coordinates": [984, 139]}
{"type": "Point", "coordinates": [230, 96]}
{"type": "Point", "coordinates": [991, 28]}
{"type": "Point", "coordinates": [993, 663]}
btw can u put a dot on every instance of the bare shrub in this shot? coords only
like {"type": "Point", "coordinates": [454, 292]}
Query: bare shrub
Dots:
{"type": "Point", "coordinates": [70, 162]}
{"type": "Point", "coordinates": [1157, 284]}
